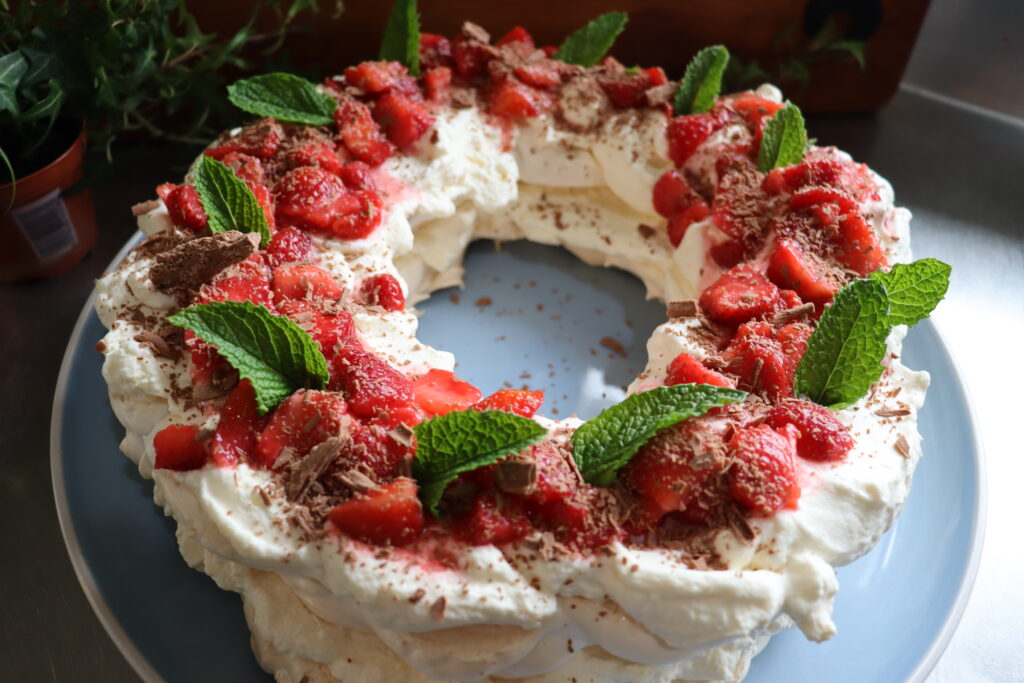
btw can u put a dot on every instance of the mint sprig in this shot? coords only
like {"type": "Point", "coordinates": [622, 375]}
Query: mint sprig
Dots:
{"type": "Point", "coordinates": [401, 41]}
{"type": "Point", "coordinates": [228, 202]}
{"type": "Point", "coordinates": [588, 45]}
{"type": "Point", "coordinates": [604, 444]}
{"type": "Point", "coordinates": [844, 353]}
{"type": "Point", "coordinates": [702, 81]}
{"type": "Point", "coordinates": [269, 350]}
{"type": "Point", "coordinates": [914, 289]}
{"type": "Point", "coordinates": [285, 97]}
{"type": "Point", "coordinates": [458, 442]}
{"type": "Point", "coordinates": [784, 140]}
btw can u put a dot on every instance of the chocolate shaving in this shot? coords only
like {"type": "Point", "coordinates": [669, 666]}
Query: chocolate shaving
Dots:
{"type": "Point", "coordinates": [901, 446]}
{"type": "Point", "coordinates": [892, 412]}
{"type": "Point", "coordinates": [417, 596]}
{"type": "Point", "coordinates": [792, 313]}
{"type": "Point", "coordinates": [615, 346]}
{"type": "Point", "coordinates": [646, 231]}
{"type": "Point", "coordinates": [403, 435]}
{"type": "Point", "coordinates": [475, 32]}
{"type": "Point", "coordinates": [517, 475]}
{"type": "Point", "coordinates": [437, 609]}
{"type": "Point", "coordinates": [196, 262]}
{"type": "Point", "coordinates": [157, 344]}
{"type": "Point", "coordinates": [739, 525]}
{"type": "Point", "coordinates": [145, 207]}
{"type": "Point", "coordinates": [687, 308]}
{"type": "Point", "coordinates": [660, 94]}
{"type": "Point", "coordinates": [357, 481]}
{"type": "Point", "coordinates": [158, 243]}
{"type": "Point", "coordinates": [313, 465]}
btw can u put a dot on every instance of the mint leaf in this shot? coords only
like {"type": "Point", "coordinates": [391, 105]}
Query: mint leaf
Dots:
{"type": "Point", "coordinates": [914, 289]}
{"type": "Point", "coordinates": [588, 45]}
{"type": "Point", "coordinates": [269, 350]}
{"type": "Point", "coordinates": [228, 201]}
{"type": "Point", "coordinates": [702, 81]}
{"type": "Point", "coordinates": [604, 444]}
{"type": "Point", "coordinates": [285, 97]}
{"type": "Point", "coordinates": [844, 353]}
{"type": "Point", "coordinates": [784, 141]}
{"type": "Point", "coordinates": [401, 41]}
{"type": "Point", "coordinates": [451, 444]}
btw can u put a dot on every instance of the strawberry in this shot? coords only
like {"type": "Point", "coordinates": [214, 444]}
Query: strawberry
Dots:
{"type": "Point", "coordinates": [488, 521]}
{"type": "Point", "coordinates": [824, 173]}
{"type": "Point", "coordinates": [314, 154]}
{"type": "Point", "coordinates": [512, 99]}
{"type": "Point", "coordinates": [328, 330]}
{"type": "Point", "coordinates": [238, 427]}
{"type": "Point", "coordinates": [471, 56]}
{"type": "Point", "coordinates": [814, 196]}
{"type": "Point", "coordinates": [520, 38]}
{"type": "Point", "coordinates": [756, 111]}
{"type": "Point", "coordinates": [373, 388]}
{"type": "Point", "coordinates": [764, 468]}
{"type": "Point", "coordinates": [440, 392]}
{"type": "Point", "coordinates": [266, 201]}
{"type": "Point", "coordinates": [687, 133]}
{"type": "Point", "coordinates": [246, 167]}
{"type": "Point", "coordinates": [822, 436]}
{"type": "Point", "coordinates": [375, 77]}
{"type": "Point", "coordinates": [300, 422]}
{"type": "Point", "coordinates": [518, 401]}
{"type": "Point", "coordinates": [685, 369]}
{"type": "Point", "coordinates": [360, 133]}
{"type": "Point", "coordinates": [403, 119]}
{"type": "Point", "coordinates": [793, 338]}
{"type": "Point", "coordinates": [760, 362]}
{"type": "Point", "coordinates": [694, 212]}
{"type": "Point", "coordinates": [628, 89]}
{"type": "Point", "coordinates": [362, 214]}
{"type": "Point", "coordinates": [375, 451]}
{"type": "Point", "coordinates": [304, 282]}
{"type": "Point", "coordinates": [739, 295]}
{"type": "Point", "coordinates": [383, 290]}
{"type": "Point", "coordinates": [661, 472]}
{"type": "Point", "coordinates": [260, 139]}
{"type": "Point", "coordinates": [435, 51]}
{"type": "Point", "coordinates": [671, 193]}
{"type": "Point", "coordinates": [790, 268]}
{"type": "Point", "coordinates": [389, 515]}
{"type": "Point", "coordinates": [356, 176]}
{"type": "Point", "coordinates": [540, 74]}
{"type": "Point", "coordinates": [288, 245]}
{"type": "Point", "coordinates": [728, 253]}
{"type": "Point", "coordinates": [309, 197]}
{"type": "Point", "coordinates": [183, 207]}
{"type": "Point", "coordinates": [179, 448]}
{"type": "Point", "coordinates": [246, 281]}
{"type": "Point", "coordinates": [436, 83]}
{"type": "Point", "coordinates": [858, 248]}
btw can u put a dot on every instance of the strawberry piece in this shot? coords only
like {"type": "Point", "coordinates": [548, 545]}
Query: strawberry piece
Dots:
{"type": "Point", "coordinates": [671, 193]}
{"type": "Point", "coordinates": [436, 83]}
{"type": "Point", "coordinates": [360, 218]}
{"type": "Point", "coordinates": [824, 173]}
{"type": "Point", "coordinates": [440, 392]}
{"type": "Point", "coordinates": [260, 139]}
{"type": "Point", "coordinates": [687, 133]}
{"type": "Point", "coordinates": [519, 401]}
{"type": "Point", "coordinates": [309, 197]}
{"type": "Point", "coordinates": [356, 176]}
{"type": "Point", "coordinates": [383, 290]}
{"type": "Point", "coordinates": [304, 282]}
{"type": "Point", "coordinates": [822, 436]}
{"type": "Point", "coordinates": [328, 330]}
{"type": "Point", "coordinates": [314, 154]}
{"type": "Point", "coordinates": [435, 51]}
{"type": "Point", "coordinates": [372, 387]}
{"type": "Point", "coordinates": [760, 361]}
{"type": "Point", "coordinates": [694, 212]}
{"type": "Point", "coordinates": [471, 56]}
{"type": "Point", "coordinates": [756, 111]}
{"type": "Point", "coordinates": [246, 282]}
{"type": "Point", "coordinates": [728, 253]}
{"type": "Point", "coordinates": [266, 201]}
{"type": "Point", "coordinates": [375, 451]}
{"type": "Point", "coordinates": [375, 77]}
{"type": "Point", "coordinates": [740, 294]}
{"type": "Point", "coordinates": [793, 338]}
{"type": "Point", "coordinates": [178, 448]}
{"type": "Point", "coordinates": [183, 207]}
{"type": "Point", "coordinates": [790, 268]}
{"type": "Point", "coordinates": [789, 298]}
{"type": "Point", "coordinates": [685, 369]}
{"type": "Point", "coordinates": [520, 38]}
{"type": "Point", "coordinates": [488, 522]}
{"type": "Point", "coordinates": [389, 515]}
{"type": "Point", "coordinates": [858, 248]}
{"type": "Point", "coordinates": [541, 74]}
{"type": "Point", "coordinates": [813, 196]}
{"type": "Point", "coordinates": [403, 119]}
{"type": "Point", "coordinates": [239, 425]}
{"type": "Point", "coordinates": [764, 469]}
{"type": "Point", "coordinates": [360, 133]}
{"type": "Point", "coordinates": [288, 245]}
{"type": "Point", "coordinates": [628, 89]}
{"type": "Point", "coordinates": [246, 167]}
{"type": "Point", "coordinates": [661, 473]}
{"type": "Point", "coordinates": [300, 422]}
{"type": "Point", "coordinates": [512, 99]}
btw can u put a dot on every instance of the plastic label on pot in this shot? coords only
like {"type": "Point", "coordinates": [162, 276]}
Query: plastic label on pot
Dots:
{"type": "Point", "coordinates": [46, 225]}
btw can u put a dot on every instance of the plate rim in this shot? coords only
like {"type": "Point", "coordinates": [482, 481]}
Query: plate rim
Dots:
{"type": "Point", "coordinates": [126, 645]}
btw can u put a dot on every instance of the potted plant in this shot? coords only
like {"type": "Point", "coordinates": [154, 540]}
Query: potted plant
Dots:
{"type": "Point", "coordinates": [76, 76]}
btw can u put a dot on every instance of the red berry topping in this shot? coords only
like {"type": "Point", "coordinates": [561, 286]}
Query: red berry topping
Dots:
{"type": "Point", "coordinates": [435, 51]}
{"type": "Point", "coordinates": [383, 290]}
{"type": "Point", "coordinates": [440, 392]}
{"type": "Point", "coordinates": [239, 425]}
{"type": "Point", "coordinates": [687, 133]}
{"type": "Point", "coordinates": [822, 436]}
{"type": "Point", "coordinates": [356, 176]}
{"type": "Point", "coordinates": [245, 282]}
{"type": "Point", "coordinates": [372, 387]}
{"type": "Point", "coordinates": [728, 253]}
{"type": "Point", "coordinates": [697, 210]}
{"type": "Point", "coordinates": [814, 196]}
{"type": "Point", "coordinates": [389, 515]}
{"type": "Point", "coordinates": [512, 99]}
{"type": "Point", "coordinates": [685, 369]}
{"type": "Point", "coordinates": [671, 193]}
{"type": "Point", "coordinates": [288, 245]}
{"type": "Point", "coordinates": [661, 472]}
{"type": "Point", "coordinates": [362, 213]}
{"type": "Point", "coordinates": [303, 420]}
{"type": "Point", "coordinates": [375, 77]}
{"type": "Point", "coordinates": [403, 119]}
{"type": "Point", "coordinates": [764, 470]}
{"type": "Point", "coordinates": [490, 521]}
{"type": "Point", "coordinates": [178, 448]}
{"type": "Point", "coordinates": [314, 154]}
{"type": "Point", "coordinates": [436, 83]}
{"type": "Point", "coordinates": [760, 362]}
{"type": "Point", "coordinates": [310, 197]}
{"type": "Point", "coordinates": [518, 37]}
{"type": "Point", "coordinates": [260, 139]}
{"type": "Point", "coordinates": [304, 282]}
{"type": "Point", "coordinates": [757, 111]}
{"type": "Point", "coordinates": [248, 168]}
{"type": "Point", "coordinates": [360, 133]}
{"type": "Point", "coordinates": [790, 268]}
{"type": "Point", "coordinates": [518, 401]}
{"type": "Point", "coordinates": [542, 74]}
{"type": "Point", "coordinates": [739, 295]}
{"type": "Point", "coordinates": [858, 247]}
{"type": "Point", "coordinates": [328, 330]}
{"type": "Point", "coordinates": [183, 206]}
{"type": "Point", "coordinates": [792, 178]}
{"type": "Point", "coordinates": [471, 56]}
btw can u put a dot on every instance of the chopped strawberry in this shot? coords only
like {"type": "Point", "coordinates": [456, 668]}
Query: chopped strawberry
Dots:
{"type": "Point", "coordinates": [373, 388]}
{"type": "Point", "coordinates": [375, 77]}
{"type": "Point", "coordinates": [383, 290]}
{"type": "Point", "coordinates": [858, 248]}
{"type": "Point", "coordinates": [179, 448]}
{"type": "Point", "coordinates": [540, 74]}
{"type": "Point", "coordinates": [512, 99]}
{"type": "Point", "coordinates": [440, 392]}
{"type": "Point", "coordinates": [739, 295]}
{"type": "Point", "coordinates": [764, 468]}
{"type": "Point", "coordinates": [298, 281]}
{"type": "Point", "coordinates": [246, 167]}
{"type": "Point", "coordinates": [328, 330]}
{"type": "Point", "coordinates": [488, 521]}
{"type": "Point", "coordinates": [813, 196]}
{"type": "Point", "coordinates": [260, 139]}
{"type": "Point", "coordinates": [309, 197]}
{"type": "Point", "coordinates": [661, 471]}
{"type": "Point", "coordinates": [266, 201]}
{"type": "Point", "coordinates": [518, 401]}
{"type": "Point", "coordinates": [671, 193]}
{"type": "Point", "coordinates": [519, 37]}
{"type": "Point", "coordinates": [183, 207]}
{"type": "Point", "coordinates": [375, 451]}
{"type": "Point", "coordinates": [822, 436]}
{"type": "Point", "coordinates": [436, 83]}
{"type": "Point", "coordinates": [728, 253]}
{"type": "Point", "coordinates": [288, 245]}
{"type": "Point", "coordinates": [356, 176]}
{"type": "Point", "coordinates": [403, 119]}
{"type": "Point", "coordinates": [314, 154]}
{"type": "Point", "coordinates": [245, 282]}
{"type": "Point", "coordinates": [757, 111]}
{"type": "Point", "coordinates": [793, 338]}
{"type": "Point", "coordinates": [435, 51]}
{"type": "Point", "coordinates": [360, 133]}
{"type": "Point", "coordinates": [790, 179]}
{"type": "Point", "coordinates": [628, 89]}
{"type": "Point", "coordinates": [685, 369]}
{"type": "Point", "coordinates": [239, 425]}
{"type": "Point", "coordinates": [790, 268]}
{"type": "Point", "coordinates": [361, 218]}
{"type": "Point", "coordinates": [303, 420]}
{"type": "Point", "coordinates": [694, 212]}
{"type": "Point", "coordinates": [389, 515]}
{"type": "Point", "coordinates": [687, 133]}
{"type": "Point", "coordinates": [760, 362]}
{"type": "Point", "coordinates": [471, 56]}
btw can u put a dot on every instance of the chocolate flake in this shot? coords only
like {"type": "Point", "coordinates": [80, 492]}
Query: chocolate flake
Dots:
{"type": "Point", "coordinates": [739, 525]}
{"type": "Point", "coordinates": [646, 231]}
{"type": "Point", "coordinates": [517, 475]}
{"type": "Point", "coordinates": [145, 207]}
{"type": "Point", "coordinates": [196, 262]}
{"type": "Point", "coordinates": [437, 609]}
{"type": "Point", "coordinates": [893, 412]}
{"type": "Point", "coordinates": [615, 346]}
{"type": "Point", "coordinates": [484, 301]}
{"type": "Point", "coordinates": [357, 481]}
{"type": "Point", "coordinates": [157, 344]}
{"type": "Point", "coordinates": [901, 446]}
{"type": "Point", "coordinates": [793, 313]}
{"type": "Point", "coordinates": [475, 32]}
{"type": "Point", "coordinates": [403, 435]}
{"type": "Point", "coordinates": [687, 308]}
{"type": "Point", "coordinates": [417, 596]}
{"type": "Point", "coordinates": [313, 465]}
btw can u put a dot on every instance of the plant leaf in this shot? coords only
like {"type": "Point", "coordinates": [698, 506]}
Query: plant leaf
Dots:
{"type": "Point", "coordinates": [269, 350]}
{"type": "Point", "coordinates": [784, 141]}
{"type": "Point", "coordinates": [401, 42]}
{"type": "Point", "coordinates": [914, 289]}
{"type": "Point", "coordinates": [458, 442]}
{"type": "Point", "coordinates": [604, 444]}
{"type": "Point", "coordinates": [285, 97]}
{"type": "Point", "coordinates": [588, 45]}
{"type": "Point", "coordinates": [12, 67]}
{"type": "Point", "coordinates": [228, 201]}
{"type": "Point", "coordinates": [855, 48]}
{"type": "Point", "coordinates": [702, 81]}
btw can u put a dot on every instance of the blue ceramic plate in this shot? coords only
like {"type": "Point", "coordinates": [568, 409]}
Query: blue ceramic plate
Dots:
{"type": "Point", "coordinates": [530, 316]}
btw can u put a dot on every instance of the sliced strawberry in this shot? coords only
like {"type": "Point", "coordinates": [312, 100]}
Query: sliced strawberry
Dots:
{"type": "Point", "coordinates": [245, 282]}
{"type": "Point", "coordinates": [764, 469]}
{"type": "Point", "coordinates": [519, 37]}
{"type": "Point", "coordinates": [183, 207]}
{"type": "Point", "coordinates": [383, 290]}
{"type": "Point", "coordinates": [373, 388]}
{"type": "Point", "coordinates": [356, 176]}
{"type": "Point", "coordinates": [288, 245]}
{"type": "Point", "coordinates": [788, 267]}
{"type": "Point", "coordinates": [360, 217]}
{"type": "Point", "coordinates": [375, 451]}
{"type": "Point", "coordinates": [824, 173]}
{"type": "Point", "coordinates": [685, 369]}
{"type": "Point", "coordinates": [360, 133]}
{"type": "Point", "coordinates": [303, 420]}
{"type": "Point", "coordinates": [304, 282]}
{"type": "Point", "coordinates": [310, 197]}
{"type": "Point", "coordinates": [758, 359]}
{"type": "Point", "coordinates": [179, 448]}
{"type": "Point", "coordinates": [246, 167]}
{"type": "Point", "coordinates": [813, 196]}
{"type": "Point", "coordinates": [471, 56]}
{"type": "Point", "coordinates": [793, 339]}
{"type": "Point", "coordinates": [375, 77]}
{"type": "Point", "coordinates": [314, 154]}
{"type": "Point", "coordinates": [757, 111]}
{"type": "Point", "coordinates": [489, 522]}
{"type": "Point", "coordinates": [518, 401]}
{"type": "Point", "coordinates": [437, 83]}
{"type": "Point", "coordinates": [671, 193]}
{"type": "Point", "coordinates": [239, 425]}
{"type": "Point", "coordinates": [822, 436]}
{"type": "Point", "coordinates": [440, 392]}
{"type": "Point", "coordinates": [512, 99]}
{"type": "Point", "coordinates": [435, 51]}
{"type": "Point", "coordinates": [740, 294]}
{"type": "Point", "coordinates": [403, 119]}
{"type": "Point", "coordinates": [694, 212]}
{"type": "Point", "coordinates": [260, 139]}
{"type": "Point", "coordinates": [728, 253]}
{"type": "Point", "coordinates": [389, 515]}
{"type": "Point", "coordinates": [328, 330]}
{"type": "Point", "coordinates": [540, 74]}
{"type": "Point", "coordinates": [687, 133]}
{"type": "Point", "coordinates": [661, 472]}
{"type": "Point", "coordinates": [858, 248]}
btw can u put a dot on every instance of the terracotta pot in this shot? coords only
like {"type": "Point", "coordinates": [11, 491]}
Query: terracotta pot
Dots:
{"type": "Point", "coordinates": [44, 233]}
